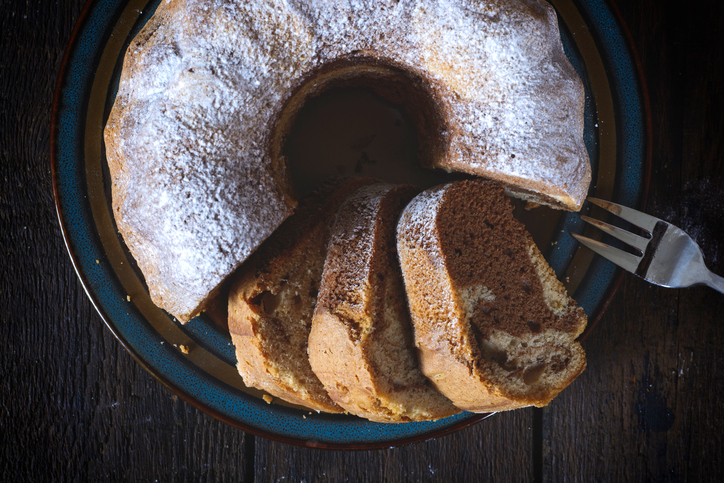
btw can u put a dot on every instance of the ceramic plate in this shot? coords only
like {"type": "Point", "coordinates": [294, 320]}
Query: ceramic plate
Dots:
{"type": "Point", "coordinates": [197, 360]}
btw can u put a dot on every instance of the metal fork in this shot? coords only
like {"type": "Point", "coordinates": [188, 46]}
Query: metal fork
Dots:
{"type": "Point", "coordinates": [667, 256]}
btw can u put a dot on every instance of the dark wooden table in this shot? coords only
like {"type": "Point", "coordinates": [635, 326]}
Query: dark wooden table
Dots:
{"type": "Point", "coordinates": [75, 406]}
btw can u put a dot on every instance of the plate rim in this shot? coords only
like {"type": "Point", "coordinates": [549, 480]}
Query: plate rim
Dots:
{"type": "Point", "coordinates": [474, 418]}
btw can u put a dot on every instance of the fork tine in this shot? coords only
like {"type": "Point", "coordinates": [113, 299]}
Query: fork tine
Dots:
{"type": "Point", "coordinates": [642, 220]}
{"type": "Point", "coordinates": [621, 258]}
{"type": "Point", "coordinates": [623, 235]}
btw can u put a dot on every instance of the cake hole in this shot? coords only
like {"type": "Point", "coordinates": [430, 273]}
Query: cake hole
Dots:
{"type": "Point", "coordinates": [491, 353]}
{"type": "Point", "coordinates": [267, 302]}
{"type": "Point", "coordinates": [558, 364]}
{"type": "Point", "coordinates": [534, 326]}
{"type": "Point", "coordinates": [357, 119]}
{"type": "Point", "coordinates": [533, 374]}
{"type": "Point", "coordinates": [511, 365]}
{"type": "Point", "coordinates": [325, 140]}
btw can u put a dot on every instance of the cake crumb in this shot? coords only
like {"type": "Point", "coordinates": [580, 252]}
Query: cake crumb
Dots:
{"type": "Point", "coordinates": [128, 298]}
{"type": "Point", "coordinates": [184, 348]}
{"type": "Point", "coordinates": [98, 261]}
{"type": "Point", "coordinates": [267, 398]}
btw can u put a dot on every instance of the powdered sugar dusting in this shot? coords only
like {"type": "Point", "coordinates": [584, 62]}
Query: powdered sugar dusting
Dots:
{"type": "Point", "coordinates": [195, 187]}
{"type": "Point", "coordinates": [517, 98]}
{"type": "Point", "coordinates": [353, 236]}
{"type": "Point", "coordinates": [418, 239]}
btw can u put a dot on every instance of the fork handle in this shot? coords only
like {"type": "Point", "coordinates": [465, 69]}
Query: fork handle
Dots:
{"type": "Point", "coordinates": [716, 282]}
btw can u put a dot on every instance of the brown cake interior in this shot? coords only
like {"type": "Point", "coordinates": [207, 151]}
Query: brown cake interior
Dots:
{"type": "Point", "coordinates": [519, 315]}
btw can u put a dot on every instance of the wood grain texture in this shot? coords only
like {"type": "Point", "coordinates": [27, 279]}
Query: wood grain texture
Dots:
{"type": "Point", "coordinates": [648, 406]}
{"type": "Point", "coordinates": [500, 445]}
{"type": "Point", "coordinates": [75, 406]}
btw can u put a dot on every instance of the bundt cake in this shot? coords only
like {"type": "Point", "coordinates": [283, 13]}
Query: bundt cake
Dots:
{"type": "Point", "coordinates": [494, 328]}
{"type": "Point", "coordinates": [210, 88]}
{"type": "Point", "coordinates": [272, 299]}
{"type": "Point", "coordinates": [360, 345]}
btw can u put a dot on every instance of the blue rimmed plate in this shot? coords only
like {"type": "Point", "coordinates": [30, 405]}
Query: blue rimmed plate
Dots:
{"type": "Point", "coordinates": [197, 360]}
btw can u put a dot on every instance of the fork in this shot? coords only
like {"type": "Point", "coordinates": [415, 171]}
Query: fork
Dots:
{"type": "Point", "coordinates": [666, 255]}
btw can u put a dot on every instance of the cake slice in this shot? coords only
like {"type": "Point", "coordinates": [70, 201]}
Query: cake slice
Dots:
{"type": "Point", "coordinates": [361, 345]}
{"type": "Point", "coordinates": [494, 327]}
{"type": "Point", "coordinates": [272, 301]}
